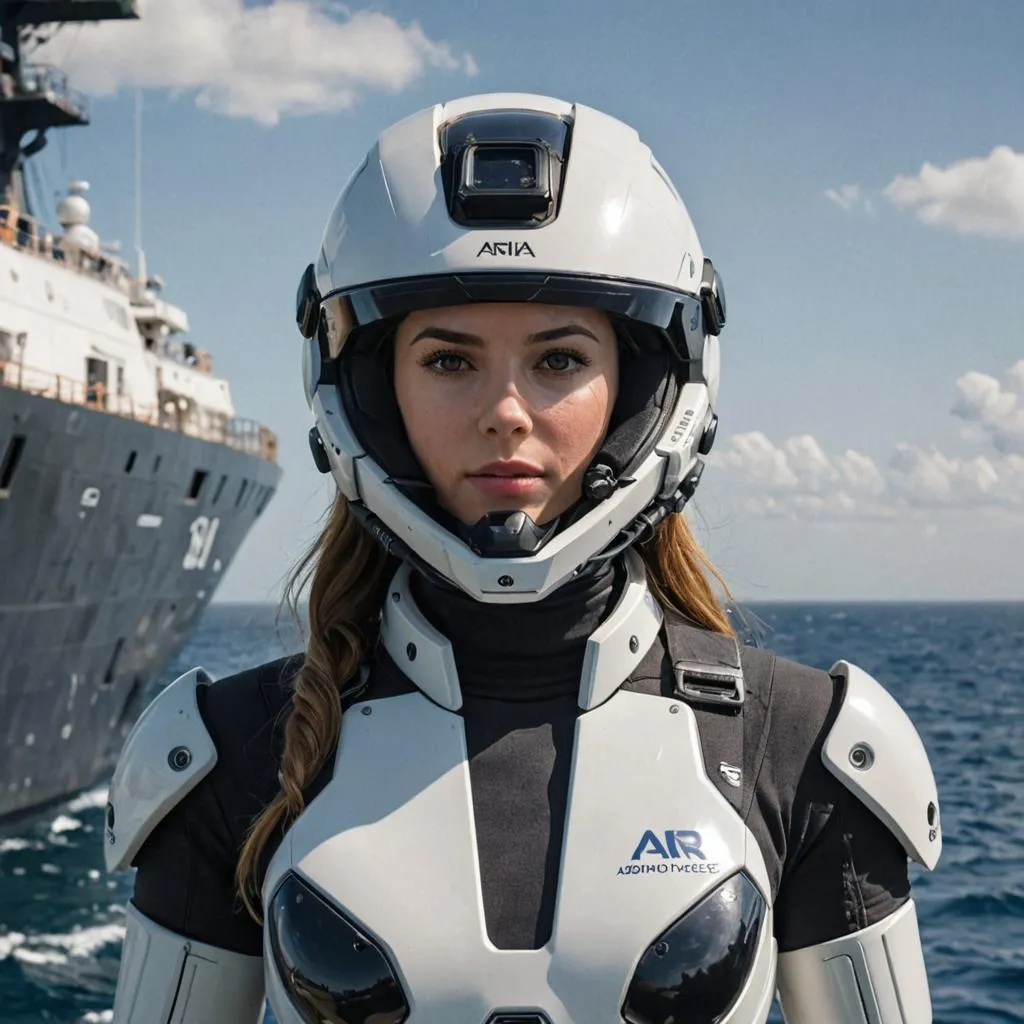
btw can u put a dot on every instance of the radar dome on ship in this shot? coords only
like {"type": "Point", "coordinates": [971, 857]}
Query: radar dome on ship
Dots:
{"type": "Point", "coordinates": [73, 213]}
{"type": "Point", "coordinates": [74, 208]}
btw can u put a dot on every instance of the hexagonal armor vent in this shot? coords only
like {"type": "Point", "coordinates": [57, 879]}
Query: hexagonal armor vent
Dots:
{"type": "Point", "coordinates": [517, 1017]}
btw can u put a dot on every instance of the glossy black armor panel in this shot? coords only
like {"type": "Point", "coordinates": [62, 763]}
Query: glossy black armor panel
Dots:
{"type": "Point", "coordinates": [697, 968]}
{"type": "Point", "coordinates": [333, 973]}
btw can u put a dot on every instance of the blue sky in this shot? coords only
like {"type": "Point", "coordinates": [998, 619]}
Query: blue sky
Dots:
{"type": "Point", "coordinates": [856, 171]}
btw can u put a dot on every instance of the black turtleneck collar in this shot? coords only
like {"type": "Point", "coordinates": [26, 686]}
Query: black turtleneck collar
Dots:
{"type": "Point", "coordinates": [521, 651]}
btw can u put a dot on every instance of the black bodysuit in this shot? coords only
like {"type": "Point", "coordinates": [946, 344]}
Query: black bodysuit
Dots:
{"type": "Point", "coordinates": [834, 868]}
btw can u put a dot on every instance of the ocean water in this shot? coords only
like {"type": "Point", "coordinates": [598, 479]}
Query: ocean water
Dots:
{"type": "Point", "coordinates": [957, 669]}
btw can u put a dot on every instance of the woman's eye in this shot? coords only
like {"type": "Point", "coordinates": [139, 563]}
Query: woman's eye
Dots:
{"type": "Point", "coordinates": [444, 362]}
{"type": "Point", "coordinates": [557, 362]}
{"type": "Point", "coordinates": [563, 362]}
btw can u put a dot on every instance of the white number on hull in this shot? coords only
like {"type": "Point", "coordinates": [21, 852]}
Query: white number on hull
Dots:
{"type": "Point", "coordinates": [202, 532]}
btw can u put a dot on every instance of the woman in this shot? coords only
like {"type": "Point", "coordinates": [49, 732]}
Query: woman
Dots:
{"type": "Point", "coordinates": [524, 772]}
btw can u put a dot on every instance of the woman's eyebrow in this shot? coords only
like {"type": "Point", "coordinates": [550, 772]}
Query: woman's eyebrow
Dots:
{"type": "Point", "coordinates": [475, 341]}
{"type": "Point", "coordinates": [444, 334]}
{"type": "Point", "coordinates": [562, 332]}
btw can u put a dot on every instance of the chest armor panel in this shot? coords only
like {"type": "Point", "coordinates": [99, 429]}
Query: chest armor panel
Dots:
{"type": "Point", "coordinates": [390, 843]}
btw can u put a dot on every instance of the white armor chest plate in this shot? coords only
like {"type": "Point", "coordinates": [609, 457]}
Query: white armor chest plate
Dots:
{"type": "Point", "coordinates": [391, 842]}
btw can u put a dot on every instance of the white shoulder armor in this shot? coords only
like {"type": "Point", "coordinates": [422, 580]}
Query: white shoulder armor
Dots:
{"type": "Point", "coordinates": [166, 755]}
{"type": "Point", "coordinates": [166, 978]}
{"type": "Point", "coordinates": [875, 751]}
{"type": "Point", "coordinates": [876, 975]}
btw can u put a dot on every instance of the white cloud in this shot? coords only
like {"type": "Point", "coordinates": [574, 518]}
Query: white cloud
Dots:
{"type": "Point", "coordinates": [997, 411]}
{"type": "Point", "coordinates": [798, 480]}
{"type": "Point", "coordinates": [929, 479]}
{"type": "Point", "coordinates": [850, 198]}
{"type": "Point", "coordinates": [980, 195]}
{"type": "Point", "coordinates": [861, 473]}
{"type": "Point", "coordinates": [288, 57]}
{"type": "Point", "coordinates": [761, 463]}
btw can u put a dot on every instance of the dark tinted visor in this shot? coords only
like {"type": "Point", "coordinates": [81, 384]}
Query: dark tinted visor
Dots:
{"type": "Point", "coordinates": [675, 313]}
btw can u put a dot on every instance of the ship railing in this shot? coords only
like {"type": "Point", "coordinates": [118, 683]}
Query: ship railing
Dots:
{"type": "Point", "coordinates": [252, 437]}
{"type": "Point", "coordinates": [22, 231]}
{"type": "Point", "coordinates": [241, 434]}
{"type": "Point", "coordinates": [49, 81]}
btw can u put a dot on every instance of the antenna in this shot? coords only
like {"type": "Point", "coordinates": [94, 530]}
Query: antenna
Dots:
{"type": "Point", "coordinates": [138, 186]}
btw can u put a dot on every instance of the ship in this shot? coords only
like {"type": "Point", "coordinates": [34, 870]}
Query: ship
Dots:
{"type": "Point", "coordinates": [127, 482]}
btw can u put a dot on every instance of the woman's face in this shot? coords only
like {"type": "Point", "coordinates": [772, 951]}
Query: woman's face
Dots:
{"type": "Point", "coordinates": [505, 404]}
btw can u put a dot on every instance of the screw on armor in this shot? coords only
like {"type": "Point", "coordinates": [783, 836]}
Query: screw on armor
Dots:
{"type": "Point", "coordinates": [634, 644]}
{"type": "Point", "coordinates": [179, 758]}
{"type": "Point", "coordinates": [861, 757]}
{"type": "Point", "coordinates": [410, 651]}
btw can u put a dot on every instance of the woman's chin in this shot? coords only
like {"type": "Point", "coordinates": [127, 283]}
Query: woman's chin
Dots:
{"type": "Point", "coordinates": [469, 506]}
{"type": "Point", "coordinates": [535, 512]}
{"type": "Point", "coordinates": [471, 515]}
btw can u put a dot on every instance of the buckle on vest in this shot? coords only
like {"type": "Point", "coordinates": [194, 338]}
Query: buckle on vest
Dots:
{"type": "Point", "coordinates": [700, 683]}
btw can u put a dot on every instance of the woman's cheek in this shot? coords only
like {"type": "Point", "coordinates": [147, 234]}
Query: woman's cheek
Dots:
{"type": "Point", "coordinates": [437, 444]}
{"type": "Point", "coordinates": [580, 424]}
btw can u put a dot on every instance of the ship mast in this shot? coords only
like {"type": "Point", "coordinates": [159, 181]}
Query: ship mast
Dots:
{"type": "Point", "coordinates": [36, 97]}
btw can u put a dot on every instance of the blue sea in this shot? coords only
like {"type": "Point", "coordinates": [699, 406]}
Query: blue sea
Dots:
{"type": "Point", "coordinates": [957, 669]}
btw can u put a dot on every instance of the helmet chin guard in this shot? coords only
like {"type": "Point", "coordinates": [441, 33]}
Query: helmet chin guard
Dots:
{"type": "Point", "coordinates": [473, 201]}
{"type": "Point", "coordinates": [509, 533]}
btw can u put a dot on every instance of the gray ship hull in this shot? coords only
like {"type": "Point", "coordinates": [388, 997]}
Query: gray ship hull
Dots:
{"type": "Point", "coordinates": [113, 537]}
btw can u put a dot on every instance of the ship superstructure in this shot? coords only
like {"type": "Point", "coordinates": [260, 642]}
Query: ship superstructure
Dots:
{"type": "Point", "coordinates": [127, 483]}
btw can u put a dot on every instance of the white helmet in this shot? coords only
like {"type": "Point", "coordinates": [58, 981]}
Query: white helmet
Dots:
{"type": "Point", "coordinates": [512, 198]}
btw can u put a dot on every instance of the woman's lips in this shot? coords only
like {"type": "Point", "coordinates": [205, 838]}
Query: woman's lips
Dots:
{"type": "Point", "coordinates": [506, 486]}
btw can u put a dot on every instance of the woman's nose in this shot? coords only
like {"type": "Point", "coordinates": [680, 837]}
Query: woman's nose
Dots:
{"type": "Point", "coordinates": [505, 411]}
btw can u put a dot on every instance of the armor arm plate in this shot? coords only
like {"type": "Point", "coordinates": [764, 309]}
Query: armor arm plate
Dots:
{"type": "Point", "coordinates": [874, 750]}
{"type": "Point", "coordinates": [165, 978]}
{"type": "Point", "coordinates": [873, 976]}
{"type": "Point", "coordinates": [167, 754]}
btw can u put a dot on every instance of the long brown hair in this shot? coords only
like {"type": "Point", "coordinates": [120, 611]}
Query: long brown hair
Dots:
{"type": "Point", "coordinates": [350, 573]}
